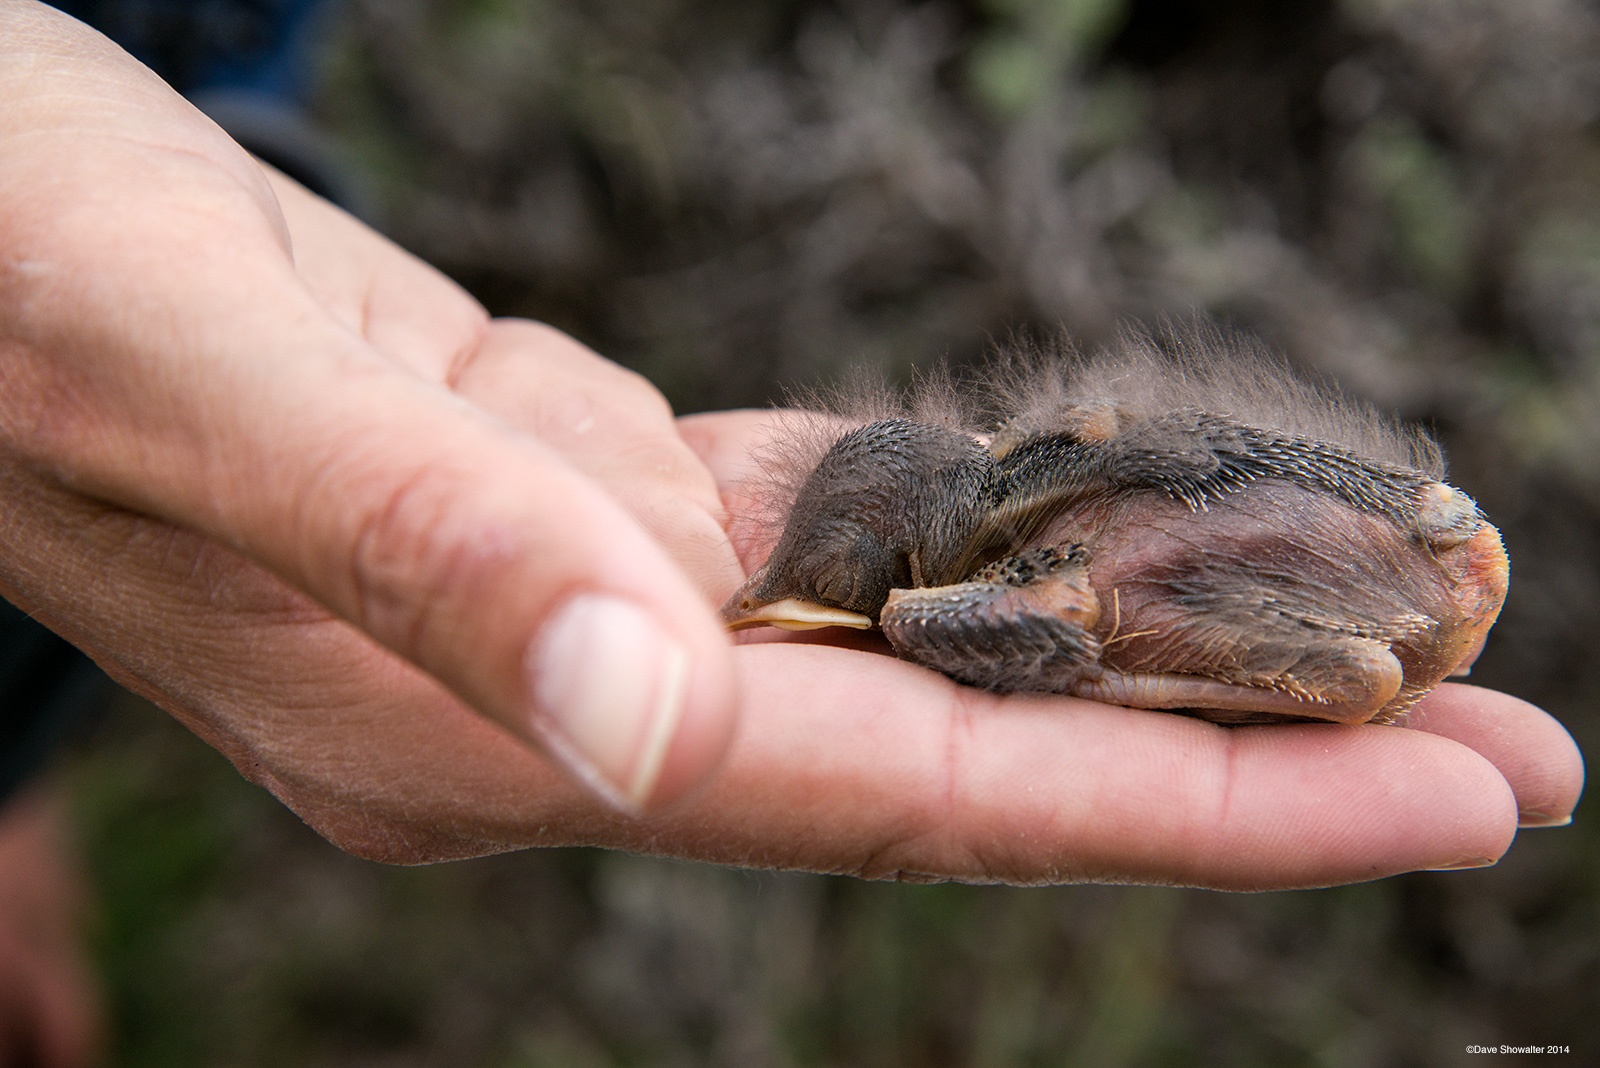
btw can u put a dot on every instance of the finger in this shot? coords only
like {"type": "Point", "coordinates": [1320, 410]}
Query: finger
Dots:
{"type": "Point", "coordinates": [247, 413]}
{"type": "Point", "coordinates": [1534, 752]}
{"type": "Point", "coordinates": [728, 443]}
{"type": "Point", "coordinates": [186, 371]}
{"type": "Point", "coordinates": [48, 1010]}
{"type": "Point", "coordinates": [752, 456]}
{"type": "Point", "coordinates": [614, 427]}
{"type": "Point", "coordinates": [377, 756]}
{"type": "Point", "coordinates": [398, 304]}
{"type": "Point", "coordinates": [914, 777]}
{"type": "Point", "coordinates": [48, 1003]}
{"type": "Point", "coordinates": [472, 551]}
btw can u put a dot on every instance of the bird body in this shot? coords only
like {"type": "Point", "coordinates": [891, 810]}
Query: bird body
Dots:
{"type": "Point", "coordinates": [1192, 528]}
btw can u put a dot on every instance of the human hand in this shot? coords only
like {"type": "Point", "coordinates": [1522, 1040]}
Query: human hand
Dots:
{"type": "Point", "coordinates": [203, 440]}
{"type": "Point", "coordinates": [917, 776]}
{"type": "Point", "coordinates": [230, 413]}
{"type": "Point", "coordinates": [50, 1014]}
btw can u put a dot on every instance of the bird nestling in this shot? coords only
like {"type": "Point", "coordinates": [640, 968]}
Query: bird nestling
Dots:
{"type": "Point", "coordinates": [1185, 526]}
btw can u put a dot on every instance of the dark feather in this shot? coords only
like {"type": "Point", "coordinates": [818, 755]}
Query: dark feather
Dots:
{"type": "Point", "coordinates": [1261, 531]}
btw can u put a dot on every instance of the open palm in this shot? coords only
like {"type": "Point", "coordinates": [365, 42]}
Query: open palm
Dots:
{"type": "Point", "coordinates": [295, 487]}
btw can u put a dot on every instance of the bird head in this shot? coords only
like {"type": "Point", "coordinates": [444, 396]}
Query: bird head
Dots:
{"type": "Point", "coordinates": [892, 504]}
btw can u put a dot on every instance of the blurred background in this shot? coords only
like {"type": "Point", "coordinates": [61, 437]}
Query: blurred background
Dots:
{"type": "Point", "coordinates": [734, 197]}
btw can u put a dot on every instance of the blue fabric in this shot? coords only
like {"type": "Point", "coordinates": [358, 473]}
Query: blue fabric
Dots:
{"type": "Point", "coordinates": [257, 46]}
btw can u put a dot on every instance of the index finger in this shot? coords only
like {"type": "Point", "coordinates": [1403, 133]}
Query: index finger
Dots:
{"type": "Point", "coordinates": [856, 763]}
{"type": "Point", "coordinates": [1529, 747]}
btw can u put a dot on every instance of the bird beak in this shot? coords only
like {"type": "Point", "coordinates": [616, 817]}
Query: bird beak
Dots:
{"type": "Point", "coordinates": [744, 609]}
{"type": "Point", "coordinates": [791, 613]}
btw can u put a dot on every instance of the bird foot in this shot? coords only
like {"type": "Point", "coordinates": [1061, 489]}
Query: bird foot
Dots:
{"type": "Point", "coordinates": [1021, 623]}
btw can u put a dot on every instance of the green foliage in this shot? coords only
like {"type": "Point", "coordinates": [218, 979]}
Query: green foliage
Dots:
{"type": "Point", "coordinates": [1032, 44]}
{"type": "Point", "coordinates": [1431, 216]}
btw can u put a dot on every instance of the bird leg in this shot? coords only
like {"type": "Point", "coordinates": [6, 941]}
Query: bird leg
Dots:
{"type": "Point", "coordinates": [1242, 666]}
{"type": "Point", "coordinates": [1288, 602]}
{"type": "Point", "coordinates": [1021, 623]}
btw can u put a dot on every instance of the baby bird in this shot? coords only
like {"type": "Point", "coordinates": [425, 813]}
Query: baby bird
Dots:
{"type": "Point", "coordinates": [1186, 527]}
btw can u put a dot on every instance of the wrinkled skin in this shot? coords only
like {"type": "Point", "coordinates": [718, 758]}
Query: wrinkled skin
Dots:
{"type": "Point", "coordinates": [295, 486]}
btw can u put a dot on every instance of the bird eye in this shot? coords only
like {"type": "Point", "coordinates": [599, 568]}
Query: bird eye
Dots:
{"type": "Point", "coordinates": [855, 574]}
{"type": "Point", "coordinates": [836, 585]}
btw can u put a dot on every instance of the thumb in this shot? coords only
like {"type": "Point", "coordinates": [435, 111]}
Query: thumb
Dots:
{"type": "Point", "coordinates": [480, 555]}
{"type": "Point", "coordinates": [477, 553]}
{"type": "Point", "coordinates": [470, 549]}
{"type": "Point", "coordinates": [159, 351]}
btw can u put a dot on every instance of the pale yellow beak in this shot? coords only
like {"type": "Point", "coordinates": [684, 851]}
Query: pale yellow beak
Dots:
{"type": "Point", "coordinates": [791, 613]}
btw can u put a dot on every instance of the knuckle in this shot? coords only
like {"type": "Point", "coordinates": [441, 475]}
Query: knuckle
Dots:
{"type": "Point", "coordinates": [419, 562]}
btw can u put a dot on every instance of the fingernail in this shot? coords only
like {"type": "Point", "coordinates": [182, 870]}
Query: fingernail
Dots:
{"type": "Point", "coordinates": [1542, 819]}
{"type": "Point", "coordinates": [1470, 862]}
{"type": "Point", "coordinates": [608, 687]}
